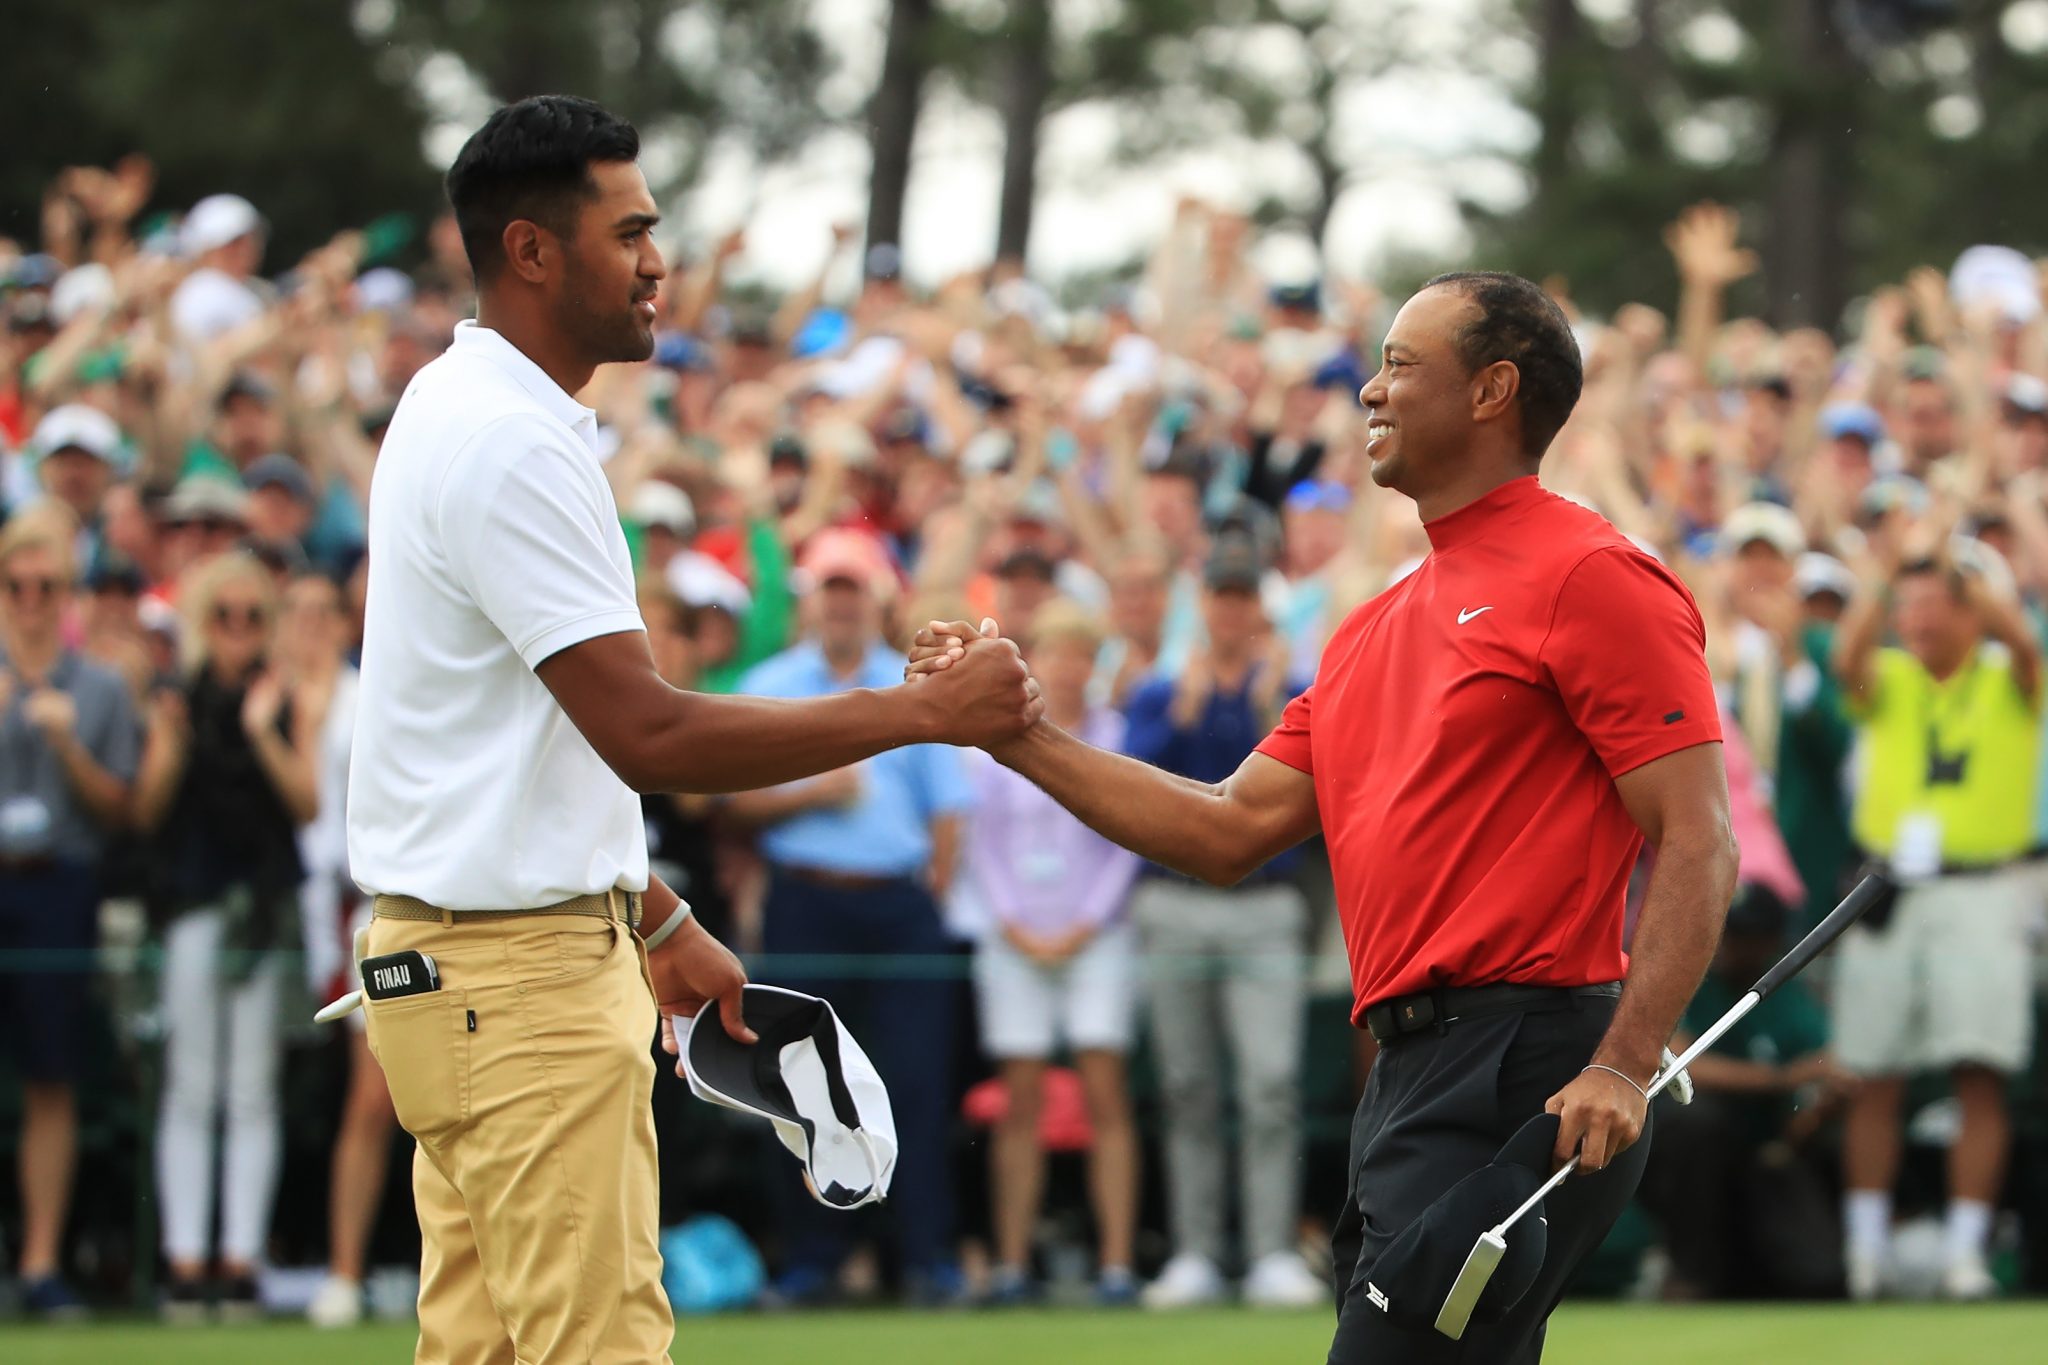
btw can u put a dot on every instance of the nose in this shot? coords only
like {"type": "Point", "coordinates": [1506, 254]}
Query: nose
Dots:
{"type": "Point", "coordinates": [1375, 391]}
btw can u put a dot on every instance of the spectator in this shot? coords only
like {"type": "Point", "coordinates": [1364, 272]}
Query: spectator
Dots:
{"type": "Point", "coordinates": [1139, 584]}
{"type": "Point", "coordinates": [68, 752]}
{"type": "Point", "coordinates": [229, 773]}
{"type": "Point", "coordinates": [856, 860]}
{"type": "Point", "coordinates": [1949, 725]}
{"type": "Point", "coordinates": [1232, 968]}
{"type": "Point", "coordinates": [310, 655]}
{"type": "Point", "coordinates": [1734, 1179]}
{"type": "Point", "coordinates": [79, 456]}
{"type": "Point", "coordinates": [280, 505]}
{"type": "Point", "coordinates": [224, 234]}
{"type": "Point", "coordinates": [1056, 967]}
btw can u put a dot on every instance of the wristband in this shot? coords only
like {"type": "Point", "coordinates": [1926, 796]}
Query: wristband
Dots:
{"type": "Point", "coordinates": [1602, 1066]}
{"type": "Point", "coordinates": [668, 926]}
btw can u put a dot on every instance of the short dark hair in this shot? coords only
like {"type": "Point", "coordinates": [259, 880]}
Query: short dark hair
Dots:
{"type": "Point", "coordinates": [531, 160]}
{"type": "Point", "coordinates": [1521, 324]}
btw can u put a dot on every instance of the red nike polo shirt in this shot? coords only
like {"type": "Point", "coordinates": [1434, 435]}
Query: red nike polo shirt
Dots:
{"type": "Point", "coordinates": [1464, 733]}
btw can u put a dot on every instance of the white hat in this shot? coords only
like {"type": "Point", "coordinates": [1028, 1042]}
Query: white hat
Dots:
{"type": "Point", "coordinates": [1777, 527]}
{"type": "Point", "coordinates": [1996, 275]}
{"type": "Point", "coordinates": [83, 287]}
{"type": "Point", "coordinates": [809, 1078]}
{"type": "Point", "coordinates": [702, 581]}
{"type": "Point", "coordinates": [383, 290]}
{"type": "Point", "coordinates": [215, 221]}
{"type": "Point", "coordinates": [1817, 572]}
{"type": "Point", "coordinates": [75, 426]}
{"type": "Point", "coordinates": [660, 503]}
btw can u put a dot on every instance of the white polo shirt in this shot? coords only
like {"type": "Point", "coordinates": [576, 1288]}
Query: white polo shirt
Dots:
{"type": "Point", "coordinates": [494, 543]}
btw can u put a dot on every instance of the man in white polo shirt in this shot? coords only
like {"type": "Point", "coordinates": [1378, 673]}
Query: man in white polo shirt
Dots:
{"type": "Point", "coordinates": [510, 712]}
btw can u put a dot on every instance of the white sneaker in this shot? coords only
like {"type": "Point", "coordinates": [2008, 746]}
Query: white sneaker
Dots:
{"type": "Point", "coordinates": [1968, 1277]}
{"type": "Point", "coordinates": [1865, 1274]}
{"type": "Point", "coordinates": [338, 1304]}
{"type": "Point", "coordinates": [1189, 1281]}
{"type": "Point", "coordinates": [1283, 1280]}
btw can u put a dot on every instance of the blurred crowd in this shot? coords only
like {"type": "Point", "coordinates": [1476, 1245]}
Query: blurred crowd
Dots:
{"type": "Point", "coordinates": [1162, 493]}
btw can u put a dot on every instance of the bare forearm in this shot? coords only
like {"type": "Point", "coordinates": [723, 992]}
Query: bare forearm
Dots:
{"type": "Point", "coordinates": [1675, 940]}
{"type": "Point", "coordinates": [657, 905]}
{"type": "Point", "coordinates": [1858, 640]}
{"type": "Point", "coordinates": [1178, 823]}
{"type": "Point", "coordinates": [770, 806]}
{"type": "Point", "coordinates": [731, 744]}
{"type": "Point", "coordinates": [1699, 317]}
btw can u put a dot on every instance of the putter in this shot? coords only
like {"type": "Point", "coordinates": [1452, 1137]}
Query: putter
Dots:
{"type": "Point", "coordinates": [1486, 1253]}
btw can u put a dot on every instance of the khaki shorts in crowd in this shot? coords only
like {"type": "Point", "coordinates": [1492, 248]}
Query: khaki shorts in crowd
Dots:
{"type": "Point", "coordinates": [1948, 980]}
{"type": "Point", "coordinates": [527, 1080]}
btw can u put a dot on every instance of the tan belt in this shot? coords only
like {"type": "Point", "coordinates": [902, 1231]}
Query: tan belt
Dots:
{"type": "Point", "coordinates": [613, 904]}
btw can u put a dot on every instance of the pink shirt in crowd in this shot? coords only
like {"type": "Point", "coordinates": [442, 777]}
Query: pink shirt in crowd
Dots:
{"type": "Point", "coordinates": [1037, 867]}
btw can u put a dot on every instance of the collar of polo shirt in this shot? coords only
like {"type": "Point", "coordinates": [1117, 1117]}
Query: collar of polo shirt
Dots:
{"type": "Point", "coordinates": [473, 337]}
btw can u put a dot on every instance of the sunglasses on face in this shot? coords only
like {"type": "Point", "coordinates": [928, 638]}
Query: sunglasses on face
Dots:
{"type": "Point", "coordinates": [18, 588]}
{"type": "Point", "coordinates": [248, 617]}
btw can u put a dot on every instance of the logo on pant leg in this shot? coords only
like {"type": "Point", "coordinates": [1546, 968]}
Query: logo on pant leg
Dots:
{"type": "Point", "coordinates": [1374, 1297]}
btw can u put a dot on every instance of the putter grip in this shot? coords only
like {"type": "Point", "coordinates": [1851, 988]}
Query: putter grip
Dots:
{"type": "Point", "coordinates": [1826, 932]}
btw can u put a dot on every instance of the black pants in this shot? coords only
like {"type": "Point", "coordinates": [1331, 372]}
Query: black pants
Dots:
{"type": "Point", "coordinates": [1437, 1107]}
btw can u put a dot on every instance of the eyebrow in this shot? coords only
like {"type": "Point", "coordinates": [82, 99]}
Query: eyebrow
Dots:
{"type": "Point", "coordinates": [637, 220]}
{"type": "Point", "coordinates": [1392, 347]}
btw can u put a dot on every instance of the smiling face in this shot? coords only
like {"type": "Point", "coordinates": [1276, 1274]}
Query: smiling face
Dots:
{"type": "Point", "coordinates": [1419, 406]}
{"type": "Point", "coordinates": [603, 296]}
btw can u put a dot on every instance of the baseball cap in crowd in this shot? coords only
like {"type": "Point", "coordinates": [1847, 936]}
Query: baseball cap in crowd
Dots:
{"type": "Point", "coordinates": [660, 503]}
{"type": "Point", "coordinates": [1235, 565]}
{"type": "Point", "coordinates": [75, 426]}
{"type": "Point", "coordinates": [810, 1079]}
{"type": "Point", "coordinates": [215, 221]}
{"type": "Point", "coordinates": [1818, 573]}
{"type": "Point", "coordinates": [702, 581]}
{"type": "Point", "coordinates": [840, 554]}
{"type": "Point", "coordinates": [1028, 561]}
{"type": "Point", "coordinates": [681, 351]}
{"type": "Point", "coordinates": [247, 385]}
{"type": "Point", "coordinates": [1997, 276]}
{"type": "Point", "coordinates": [203, 497]}
{"type": "Point", "coordinates": [1839, 420]}
{"type": "Point", "coordinates": [1319, 495]}
{"type": "Point", "coordinates": [2025, 396]}
{"type": "Point", "coordinates": [1773, 525]}
{"type": "Point", "coordinates": [1303, 296]}
{"type": "Point", "coordinates": [383, 290]}
{"type": "Point", "coordinates": [83, 289]}
{"type": "Point", "coordinates": [1893, 492]}
{"type": "Point", "coordinates": [37, 270]}
{"type": "Point", "coordinates": [112, 571]}
{"type": "Point", "coordinates": [906, 425]}
{"type": "Point", "coordinates": [280, 471]}
{"type": "Point", "coordinates": [1413, 1276]}
{"type": "Point", "coordinates": [825, 332]}
{"type": "Point", "coordinates": [787, 448]}
{"type": "Point", "coordinates": [286, 558]}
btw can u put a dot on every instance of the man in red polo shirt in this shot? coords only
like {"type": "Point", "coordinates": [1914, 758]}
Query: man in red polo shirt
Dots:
{"type": "Point", "coordinates": [1487, 746]}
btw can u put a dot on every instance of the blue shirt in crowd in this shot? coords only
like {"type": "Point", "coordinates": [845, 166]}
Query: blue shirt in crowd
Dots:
{"type": "Point", "coordinates": [1210, 750]}
{"type": "Point", "coordinates": [887, 832]}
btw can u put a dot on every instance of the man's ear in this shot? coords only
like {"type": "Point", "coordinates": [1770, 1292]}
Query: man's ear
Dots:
{"type": "Point", "coordinates": [530, 250]}
{"type": "Point", "coordinates": [1494, 389]}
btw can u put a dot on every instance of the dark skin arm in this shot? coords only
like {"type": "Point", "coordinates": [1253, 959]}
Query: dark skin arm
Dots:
{"type": "Point", "coordinates": [1218, 832]}
{"type": "Point", "coordinates": [690, 969]}
{"type": "Point", "coordinates": [658, 738]}
{"type": "Point", "coordinates": [1680, 802]}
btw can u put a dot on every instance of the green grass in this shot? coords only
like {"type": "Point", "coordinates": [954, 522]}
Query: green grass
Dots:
{"type": "Point", "coordinates": [1881, 1335]}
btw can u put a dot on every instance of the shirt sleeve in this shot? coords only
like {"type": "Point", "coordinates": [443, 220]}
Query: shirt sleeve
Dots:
{"type": "Point", "coordinates": [1627, 654]}
{"type": "Point", "coordinates": [527, 526]}
{"type": "Point", "coordinates": [1289, 742]}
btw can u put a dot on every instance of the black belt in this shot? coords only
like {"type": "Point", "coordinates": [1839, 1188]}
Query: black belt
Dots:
{"type": "Point", "coordinates": [1389, 1019]}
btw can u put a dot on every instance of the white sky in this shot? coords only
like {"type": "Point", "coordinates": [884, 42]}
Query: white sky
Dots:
{"type": "Point", "coordinates": [1415, 130]}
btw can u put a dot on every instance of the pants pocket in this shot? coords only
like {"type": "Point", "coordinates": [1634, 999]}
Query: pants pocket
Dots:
{"type": "Point", "coordinates": [422, 1043]}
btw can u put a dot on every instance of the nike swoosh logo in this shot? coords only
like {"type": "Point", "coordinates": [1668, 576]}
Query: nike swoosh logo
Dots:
{"type": "Point", "coordinates": [1465, 616]}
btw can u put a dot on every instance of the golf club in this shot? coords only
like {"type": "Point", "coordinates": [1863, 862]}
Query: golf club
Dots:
{"type": "Point", "coordinates": [1493, 1244]}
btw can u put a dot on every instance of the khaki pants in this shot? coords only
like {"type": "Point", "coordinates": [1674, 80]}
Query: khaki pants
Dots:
{"type": "Point", "coordinates": [526, 1080]}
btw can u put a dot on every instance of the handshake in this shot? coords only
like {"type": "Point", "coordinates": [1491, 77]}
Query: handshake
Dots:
{"type": "Point", "coordinates": [974, 683]}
